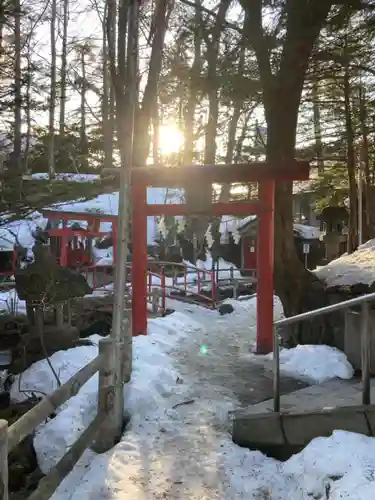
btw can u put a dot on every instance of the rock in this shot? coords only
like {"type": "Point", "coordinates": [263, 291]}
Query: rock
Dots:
{"type": "Point", "coordinates": [100, 326]}
{"type": "Point", "coordinates": [225, 309]}
{"type": "Point", "coordinates": [44, 280]}
{"type": "Point", "coordinates": [168, 311]}
{"type": "Point", "coordinates": [31, 348]}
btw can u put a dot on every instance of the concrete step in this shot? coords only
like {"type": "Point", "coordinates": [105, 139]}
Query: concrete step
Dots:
{"type": "Point", "coordinates": [282, 434]}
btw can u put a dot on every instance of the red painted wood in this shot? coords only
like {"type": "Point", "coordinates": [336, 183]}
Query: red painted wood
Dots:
{"type": "Point", "coordinates": [139, 259]}
{"type": "Point", "coordinates": [77, 257]}
{"type": "Point", "coordinates": [73, 232]}
{"type": "Point", "coordinates": [161, 176]}
{"type": "Point", "coordinates": [64, 243]}
{"type": "Point", "coordinates": [265, 271]}
{"type": "Point", "coordinates": [89, 217]}
{"type": "Point", "coordinates": [249, 252]}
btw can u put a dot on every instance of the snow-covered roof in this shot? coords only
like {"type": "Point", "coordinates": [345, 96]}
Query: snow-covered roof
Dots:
{"type": "Point", "coordinates": [353, 269]}
{"type": "Point", "coordinates": [106, 203]}
{"type": "Point", "coordinates": [300, 187]}
{"type": "Point", "coordinates": [229, 224]}
{"type": "Point", "coordinates": [307, 232]}
{"type": "Point", "coordinates": [68, 177]}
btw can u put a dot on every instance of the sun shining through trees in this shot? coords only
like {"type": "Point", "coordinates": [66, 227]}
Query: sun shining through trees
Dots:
{"type": "Point", "coordinates": [171, 139]}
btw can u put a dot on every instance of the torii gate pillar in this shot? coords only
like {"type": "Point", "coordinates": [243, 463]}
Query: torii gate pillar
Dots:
{"type": "Point", "coordinates": [265, 266]}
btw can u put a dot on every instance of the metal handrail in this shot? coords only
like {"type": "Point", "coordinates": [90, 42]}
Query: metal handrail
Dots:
{"type": "Point", "coordinates": [364, 301]}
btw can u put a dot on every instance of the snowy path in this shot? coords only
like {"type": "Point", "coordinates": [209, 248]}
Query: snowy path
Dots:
{"type": "Point", "coordinates": [199, 359]}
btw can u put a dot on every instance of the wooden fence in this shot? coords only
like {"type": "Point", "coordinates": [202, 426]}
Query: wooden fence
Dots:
{"type": "Point", "coordinates": [101, 435]}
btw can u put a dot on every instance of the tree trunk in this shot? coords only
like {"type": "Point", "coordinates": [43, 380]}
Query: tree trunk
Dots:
{"type": "Point", "coordinates": [298, 289]}
{"type": "Point", "coordinates": [28, 113]}
{"type": "Point", "coordinates": [233, 125]}
{"type": "Point", "coordinates": [52, 101]}
{"type": "Point", "coordinates": [202, 195]}
{"type": "Point", "coordinates": [317, 124]}
{"type": "Point", "coordinates": [64, 47]}
{"type": "Point", "coordinates": [351, 166]}
{"type": "Point", "coordinates": [83, 134]}
{"type": "Point", "coordinates": [107, 101]}
{"type": "Point", "coordinates": [194, 76]}
{"type": "Point", "coordinates": [369, 226]}
{"type": "Point", "coordinates": [213, 45]}
{"type": "Point", "coordinates": [242, 136]}
{"type": "Point", "coordinates": [17, 144]}
{"type": "Point", "coordinates": [143, 122]}
{"type": "Point", "coordinates": [155, 135]}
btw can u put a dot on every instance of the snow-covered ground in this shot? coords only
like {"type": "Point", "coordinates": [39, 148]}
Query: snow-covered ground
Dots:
{"type": "Point", "coordinates": [177, 445]}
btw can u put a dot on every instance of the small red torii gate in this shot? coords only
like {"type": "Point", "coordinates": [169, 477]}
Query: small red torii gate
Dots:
{"type": "Point", "coordinates": [178, 177]}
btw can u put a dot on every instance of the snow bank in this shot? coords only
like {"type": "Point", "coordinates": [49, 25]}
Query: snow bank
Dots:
{"type": "Point", "coordinates": [347, 457]}
{"type": "Point", "coordinates": [153, 380]}
{"type": "Point", "coordinates": [315, 363]}
{"type": "Point", "coordinates": [349, 270]}
{"type": "Point", "coordinates": [337, 467]}
{"type": "Point", "coordinates": [39, 377]}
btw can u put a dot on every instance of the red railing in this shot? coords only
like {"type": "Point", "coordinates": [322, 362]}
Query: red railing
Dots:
{"type": "Point", "coordinates": [101, 275]}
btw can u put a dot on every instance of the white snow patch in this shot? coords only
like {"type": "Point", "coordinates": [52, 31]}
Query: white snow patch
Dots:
{"type": "Point", "coordinates": [10, 302]}
{"type": "Point", "coordinates": [20, 231]}
{"type": "Point", "coordinates": [349, 270]}
{"type": "Point", "coordinates": [314, 363]}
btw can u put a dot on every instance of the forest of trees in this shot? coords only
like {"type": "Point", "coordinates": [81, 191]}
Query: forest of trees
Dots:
{"type": "Point", "coordinates": [238, 80]}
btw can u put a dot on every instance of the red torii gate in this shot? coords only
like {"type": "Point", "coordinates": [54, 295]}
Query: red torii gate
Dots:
{"type": "Point", "coordinates": [178, 177]}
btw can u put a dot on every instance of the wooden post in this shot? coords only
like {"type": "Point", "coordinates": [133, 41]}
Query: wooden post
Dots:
{"type": "Point", "coordinates": [127, 351]}
{"type": "Point", "coordinates": [163, 291]}
{"type": "Point", "coordinates": [365, 354]}
{"type": "Point", "coordinates": [30, 313]}
{"type": "Point", "coordinates": [39, 319]}
{"type": "Point", "coordinates": [155, 300]}
{"type": "Point", "coordinates": [69, 312]}
{"type": "Point", "coordinates": [4, 460]}
{"type": "Point", "coordinates": [59, 315]}
{"type": "Point", "coordinates": [109, 433]}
